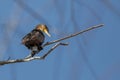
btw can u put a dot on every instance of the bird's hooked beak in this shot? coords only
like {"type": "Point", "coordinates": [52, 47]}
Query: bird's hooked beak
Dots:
{"type": "Point", "coordinates": [46, 31]}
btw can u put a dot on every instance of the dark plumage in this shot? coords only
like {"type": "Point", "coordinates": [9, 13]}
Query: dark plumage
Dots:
{"type": "Point", "coordinates": [35, 39]}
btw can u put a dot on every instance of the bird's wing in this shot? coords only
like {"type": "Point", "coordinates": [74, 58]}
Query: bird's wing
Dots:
{"type": "Point", "coordinates": [33, 37]}
{"type": "Point", "coordinates": [26, 38]}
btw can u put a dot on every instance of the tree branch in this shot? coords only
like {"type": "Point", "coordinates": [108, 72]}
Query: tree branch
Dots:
{"type": "Point", "coordinates": [49, 43]}
{"type": "Point", "coordinates": [64, 44]}
{"type": "Point", "coordinates": [32, 58]}
{"type": "Point", "coordinates": [73, 35]}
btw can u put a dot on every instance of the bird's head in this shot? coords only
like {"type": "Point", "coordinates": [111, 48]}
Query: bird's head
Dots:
{"type": "Point", "coordinates": [43, 28]}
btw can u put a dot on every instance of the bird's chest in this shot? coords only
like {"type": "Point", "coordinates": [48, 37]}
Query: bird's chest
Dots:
{"type": "Point", "coordinates": [37, 37]}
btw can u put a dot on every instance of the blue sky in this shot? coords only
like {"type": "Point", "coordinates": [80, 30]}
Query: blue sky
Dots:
{"type": "Point", "coordinates": [93, 55]}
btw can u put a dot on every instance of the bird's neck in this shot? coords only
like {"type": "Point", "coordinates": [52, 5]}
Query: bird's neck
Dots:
{"type": "Point", "coordinates": [36, 30]}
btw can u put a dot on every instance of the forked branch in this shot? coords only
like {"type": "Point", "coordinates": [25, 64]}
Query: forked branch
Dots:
{"type": "Point", "coordinates": [32, 58]}
{"type": "Point", "coordinates": [49, 43]}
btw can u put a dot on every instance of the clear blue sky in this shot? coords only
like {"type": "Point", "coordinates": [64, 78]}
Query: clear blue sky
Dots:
{"type": "Point", "coordinates": [94, 55]}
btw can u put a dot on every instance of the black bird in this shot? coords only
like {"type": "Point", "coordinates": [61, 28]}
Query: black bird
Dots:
{"type": "Point", "coordinates": [35, 39]}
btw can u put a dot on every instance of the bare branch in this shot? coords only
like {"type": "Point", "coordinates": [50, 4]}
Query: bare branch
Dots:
{"type": "Point", "coordinates": [64, 44]}
{"type": "Point", "coordinates": [73, 35]}
{"type": "Point", "coordinates": [32, 58]}
{"type": "Point", "coordinates": [49, 43]}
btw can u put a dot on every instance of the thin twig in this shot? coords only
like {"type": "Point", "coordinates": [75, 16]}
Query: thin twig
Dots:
{"type": "Point", "coordinates": [32, 58]}
{"type": "Point", "coordinates": [72, 35]}
{"type": "Point", "coordinates": [64, 44]}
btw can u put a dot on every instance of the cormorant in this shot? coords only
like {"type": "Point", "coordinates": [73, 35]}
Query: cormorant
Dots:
{"type": "Point", "coordinates": [35, 39]}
